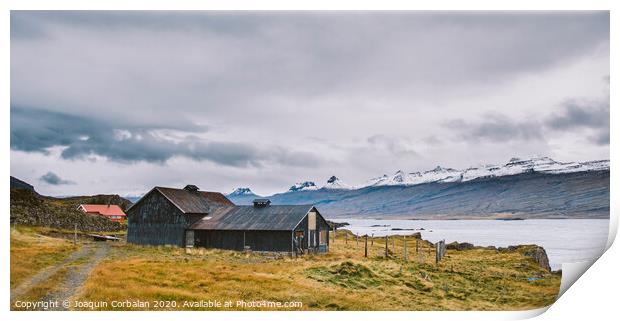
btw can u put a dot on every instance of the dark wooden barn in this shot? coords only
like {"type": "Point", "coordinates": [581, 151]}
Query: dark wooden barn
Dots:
{"type": "Point", "coordinates": [189, 217]}
{"type": "Point", "coordinates": [163, 214]}
{"type": "Point", "coordinates": [262, 227]}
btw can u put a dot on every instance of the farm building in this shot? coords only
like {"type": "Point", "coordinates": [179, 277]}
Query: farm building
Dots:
{"type": "Point", "coordinates": [112, 212]}
{"type": "Point", "coordinates": [190, 217]}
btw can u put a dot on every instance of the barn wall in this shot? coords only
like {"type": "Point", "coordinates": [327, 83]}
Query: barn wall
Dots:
{"type": "Point", "coordinates": [156, 221]}
{"type": "Point", "coordinates": [321, 225]}
{"type": "Point", "coordinates": [274, 241]}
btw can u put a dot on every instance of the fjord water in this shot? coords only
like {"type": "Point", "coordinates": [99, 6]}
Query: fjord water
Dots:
{"type": "Point", "coordinates": [565, 240]}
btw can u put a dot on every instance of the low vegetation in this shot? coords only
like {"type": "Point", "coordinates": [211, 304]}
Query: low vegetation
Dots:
{"type": "Point", "coordinates": [472, 279]}
{"type": "Point", "coordinates": [476, 279]}
{"type": "Point", "coordinates": [32, 250]}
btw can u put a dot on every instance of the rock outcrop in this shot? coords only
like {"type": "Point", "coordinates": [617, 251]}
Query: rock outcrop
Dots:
{"type": "Point", "coordinates": [459, 246]}
{"type": "Point", "coordinates": [539, 254]}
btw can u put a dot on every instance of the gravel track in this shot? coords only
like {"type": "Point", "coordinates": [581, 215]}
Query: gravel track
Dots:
{"type": "Point", "coordinates": [75, 278]}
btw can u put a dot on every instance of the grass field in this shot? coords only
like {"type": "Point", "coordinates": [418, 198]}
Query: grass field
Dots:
{"type": "Point", "coordinates": [32, 250]}
{"type": "Point", "coordinates": [179, 279]}
{"type": "Point", "coordinates": [479, 279]}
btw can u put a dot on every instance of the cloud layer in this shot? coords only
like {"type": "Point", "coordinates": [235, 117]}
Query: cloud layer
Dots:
{"type": "Point", "coordinates": [38, 130]}
{"type": "Point", "coordinates": [266, 99]}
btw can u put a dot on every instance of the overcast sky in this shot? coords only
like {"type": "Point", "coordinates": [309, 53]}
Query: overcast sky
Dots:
{"type": "Point", "coordinates": [117, 102]}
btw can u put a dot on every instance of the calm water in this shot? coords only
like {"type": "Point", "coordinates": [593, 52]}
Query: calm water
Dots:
{"type": "Point", "coordinates": [564, 240]}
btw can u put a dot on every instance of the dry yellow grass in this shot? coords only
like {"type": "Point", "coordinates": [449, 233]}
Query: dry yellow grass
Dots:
{"type": "Point", "coordinates": [32, 251]}
{"type": "Point", "coordinates": [343, 279]}
{"type": "Point", "coordinates": [41, 290]}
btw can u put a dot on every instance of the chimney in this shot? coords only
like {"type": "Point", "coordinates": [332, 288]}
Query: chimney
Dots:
{"type": "Point", "coordinates": [261, 202]}
{"type": "Point", "coordinates": [191, 188]}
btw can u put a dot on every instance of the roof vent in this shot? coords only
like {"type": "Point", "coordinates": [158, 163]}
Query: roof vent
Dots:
{"type": "Point", "coordinates": [191, 188]}
{"type": "Point", "coordinates": [261, 202]}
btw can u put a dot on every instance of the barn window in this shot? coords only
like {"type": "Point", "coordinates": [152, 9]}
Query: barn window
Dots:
{"type": "Point", "coordinates": [323, 237]}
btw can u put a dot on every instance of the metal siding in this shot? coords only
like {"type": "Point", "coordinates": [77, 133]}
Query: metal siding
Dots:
{"type": "Point", "coordinates": [272, 217]}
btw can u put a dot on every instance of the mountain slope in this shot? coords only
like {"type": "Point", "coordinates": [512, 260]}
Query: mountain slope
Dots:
{"type": "Point", "coordinates": [582, 194]}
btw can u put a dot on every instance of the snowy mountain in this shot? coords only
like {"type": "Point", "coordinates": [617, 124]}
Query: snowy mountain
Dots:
{"type": "Point", "coordinates": [514, 167]}
{"type": "Point", "coordinates": [521, 188]}
{"type": "Point", "coordinates": [335, 183]}
{"type": "Point", "coordinates": [241, 191]}
{"type": "Point", "coordinates": [303, 186]}
{"type": "Point", "coordinates": [242, 195]}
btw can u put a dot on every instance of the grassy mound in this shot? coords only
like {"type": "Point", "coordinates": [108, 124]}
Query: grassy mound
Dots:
{"type": "Point", "coordinates": [346, 274]}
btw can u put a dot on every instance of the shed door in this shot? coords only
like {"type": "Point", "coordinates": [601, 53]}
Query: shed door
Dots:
{"type": "Point", "coordinates": [189, 238]}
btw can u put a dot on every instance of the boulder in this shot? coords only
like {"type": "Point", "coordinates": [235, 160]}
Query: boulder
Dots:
{"type": "Point", "coordinates": [539, 255]}
{"type": "Point", "coordinates": [459, 246]}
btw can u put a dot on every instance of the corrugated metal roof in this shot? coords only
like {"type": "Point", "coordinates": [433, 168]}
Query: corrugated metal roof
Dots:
{"type": "Point", "coordinates": [273, 217]}
{"type": "Point", "coordinates": [194, 202]}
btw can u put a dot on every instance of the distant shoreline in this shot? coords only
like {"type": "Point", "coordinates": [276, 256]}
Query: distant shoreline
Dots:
{"type": "Point", "coordinates": [466, 219]}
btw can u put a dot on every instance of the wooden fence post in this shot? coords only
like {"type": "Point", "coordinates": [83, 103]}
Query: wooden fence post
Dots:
{"type": "Point", "coordinates": [437, 253]}
{"type": "Point", "coordinates": [357, 240]}
{"type": "Point", "coordinates": [346, 238]}
{"type": "Point", "coordinates": [393, 244]}
{"type": "Point", "coordinates": [387, 240]}
{"type": "Point", "coordinates": [421, 250]}
{"type": "Point", "coordinates": [405, 247]}
{"type": "Point", "coordinates": [366, 245]}
{"type": "Point", "coordinates": [443, 248]}
{"type": "Point", "coordinates": [372, 239]}
{"type": "Point", "coordinates": [334, 238]}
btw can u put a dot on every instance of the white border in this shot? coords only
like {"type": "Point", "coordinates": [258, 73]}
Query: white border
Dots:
{"type": "Point", "coordinates": [592, 295]}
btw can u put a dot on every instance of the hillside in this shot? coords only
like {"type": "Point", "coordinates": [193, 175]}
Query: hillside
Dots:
{"type": "Point", "coordinates": [30, 208]}
{"type": "Point", "coordinates": [582, 194]}
{"type": "Point", "coordinates": [95, 199]}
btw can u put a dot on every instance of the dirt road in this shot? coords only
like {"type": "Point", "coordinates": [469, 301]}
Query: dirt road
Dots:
{"type": "Point", "coordinates": [78, 267]}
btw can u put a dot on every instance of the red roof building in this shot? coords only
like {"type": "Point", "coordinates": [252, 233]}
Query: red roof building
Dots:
{"type": "Point", "coordinates": [112, 212]}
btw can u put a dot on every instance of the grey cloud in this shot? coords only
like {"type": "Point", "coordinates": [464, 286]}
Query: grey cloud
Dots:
{"type": "Point", "coordinates": [497, 128]}
{"type": "Point", "coordinates": [573, 114]}
{"type": "Point", "coordinates": [200, 61]}
{"type": "Point", "coordinates": [580, 114]}
{"type": "Point", "coordinates": [53, 179]}
{"type": "Point", "coordinates": [36, 130]}
{"type": "Point", "coordinates": [396, 146]}
{"type": "Point", "coordinates": [602, 138]}
{"type": "Point", "coordinates": [432, 140]}
{"type": "Point", "coordinates": [576, 114]}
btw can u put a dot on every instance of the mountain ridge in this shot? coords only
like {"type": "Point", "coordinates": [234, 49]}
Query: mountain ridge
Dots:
{"type": "Point", "coordinates": [534, 188]}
